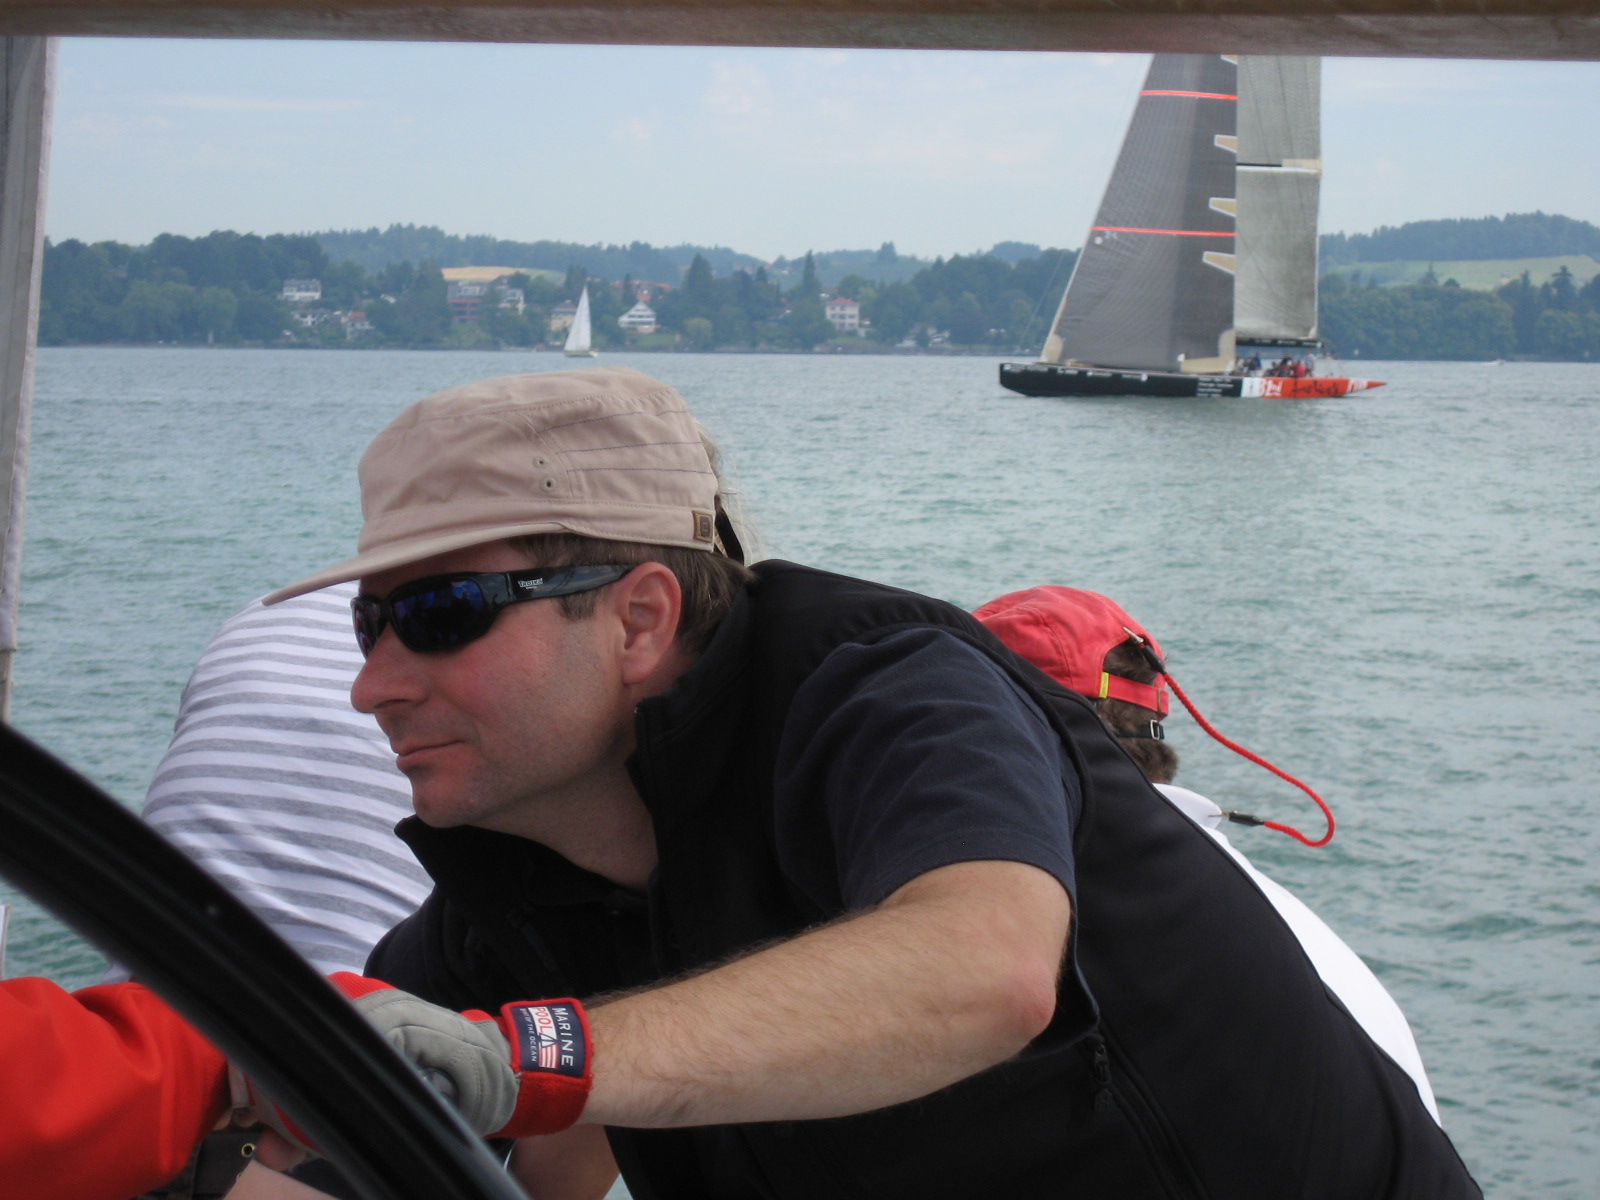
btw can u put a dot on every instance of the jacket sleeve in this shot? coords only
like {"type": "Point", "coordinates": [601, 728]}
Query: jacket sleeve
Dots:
{"type": "Point", "coordinates": [103, 1092]}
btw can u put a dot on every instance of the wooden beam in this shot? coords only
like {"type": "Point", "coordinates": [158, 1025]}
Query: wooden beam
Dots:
{"type": "Point", "coordinates": [27, 76]}
{"type": "Point", "coordinates": [1397, 28]}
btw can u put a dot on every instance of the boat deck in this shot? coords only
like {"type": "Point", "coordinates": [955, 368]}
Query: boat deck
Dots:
{"type": "Point", "coordinates": [1051, 379]}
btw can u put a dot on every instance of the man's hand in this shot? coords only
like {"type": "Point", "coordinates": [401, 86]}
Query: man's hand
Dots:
{"type": "Point", "coordinates": [278, 1153]}
{"type": "Point", "coordinates": [526, 1072]}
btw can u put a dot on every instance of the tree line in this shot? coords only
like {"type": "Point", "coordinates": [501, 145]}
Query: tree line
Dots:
{"type": "Point", "coordinates": [1556, 319]}
{"type": "Point", "coordinates": [221, 287]}
{"type": "Point", "coordinates": [225, 288]}
{"type": "Point", "coordinates": [973, 300]}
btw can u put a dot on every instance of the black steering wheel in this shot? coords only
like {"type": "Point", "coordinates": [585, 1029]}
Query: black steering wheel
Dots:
{"type": "Point", "coordinates": [121, 885]}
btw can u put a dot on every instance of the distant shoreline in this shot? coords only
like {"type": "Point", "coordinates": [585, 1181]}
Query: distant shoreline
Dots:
{"type": "Point", "coordinates": [870, 350]}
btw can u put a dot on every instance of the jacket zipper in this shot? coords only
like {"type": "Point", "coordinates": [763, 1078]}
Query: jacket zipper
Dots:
{"type": "Point", "coordinates": [1172, 1169]}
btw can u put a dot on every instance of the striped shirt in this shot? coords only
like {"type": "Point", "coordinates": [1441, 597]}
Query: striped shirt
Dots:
{"type": "Point", "coordinates": [285, 793]}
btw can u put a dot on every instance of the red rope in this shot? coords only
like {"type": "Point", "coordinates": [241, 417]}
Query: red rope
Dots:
{"type": "Point", "coordinates": [1261, 762]}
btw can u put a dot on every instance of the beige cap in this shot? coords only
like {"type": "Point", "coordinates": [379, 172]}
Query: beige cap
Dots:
{"type": "Point", "coordinates": [605, 452]}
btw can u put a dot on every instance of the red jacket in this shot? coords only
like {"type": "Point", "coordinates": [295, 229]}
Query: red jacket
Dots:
{"type": "Point", "coordinates": [103, 1092]}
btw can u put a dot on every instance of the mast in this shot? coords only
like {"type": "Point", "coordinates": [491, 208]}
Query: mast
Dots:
{"type": "Point", "coordinates": [1153, 288]}
{"type": "Point", "coordinates": [1280, 178]}
{"type": "Point", "coordinates": [27, 85]}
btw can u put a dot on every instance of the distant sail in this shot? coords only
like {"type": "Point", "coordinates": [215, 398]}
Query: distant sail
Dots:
{"type": "Point", "coordinates": [1153, 288]}
{"type": "Point", "coordinates": [579, 337]}
{"type": "Point", "coordinates": [1280, 177]}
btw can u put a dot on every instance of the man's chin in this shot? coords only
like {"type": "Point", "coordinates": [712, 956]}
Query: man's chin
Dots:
{"type": "Point", "coordinates": [440, 815]}
{"type": "Point", "coordinates": [438, 806]}
{"type": "Point", "coordinates": [446, 799]}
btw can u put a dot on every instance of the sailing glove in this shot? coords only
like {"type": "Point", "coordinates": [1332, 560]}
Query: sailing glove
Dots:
{"type": "Point", "coordinates": [527, 1071]}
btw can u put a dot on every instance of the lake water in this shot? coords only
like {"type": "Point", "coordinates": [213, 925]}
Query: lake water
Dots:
{"type": "Point", "coordinates": [1393, 595]}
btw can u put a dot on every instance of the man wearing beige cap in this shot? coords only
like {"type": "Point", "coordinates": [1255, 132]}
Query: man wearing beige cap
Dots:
{"type": "Point", "coordinates": [800, 856]}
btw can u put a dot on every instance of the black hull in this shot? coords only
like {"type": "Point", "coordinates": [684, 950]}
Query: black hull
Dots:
{"type": "Point", "coordinates": [1048, 379]}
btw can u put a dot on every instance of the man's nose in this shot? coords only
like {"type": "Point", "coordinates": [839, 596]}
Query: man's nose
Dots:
{"type": "Point", "coordinates": [388, 677]}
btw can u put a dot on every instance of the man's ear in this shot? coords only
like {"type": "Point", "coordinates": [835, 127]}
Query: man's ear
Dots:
{"type": "Point", "coordinates": [648, 602]}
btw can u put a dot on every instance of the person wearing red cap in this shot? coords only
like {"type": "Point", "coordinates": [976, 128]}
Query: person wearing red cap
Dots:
{"type": "Point", "coordinates": [855, 901]}
{"type": "Point", "coordinates": [1089, 643]}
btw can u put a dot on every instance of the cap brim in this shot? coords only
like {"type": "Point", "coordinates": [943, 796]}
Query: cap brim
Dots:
{"type": "Point", "coordinates": [399, 553]}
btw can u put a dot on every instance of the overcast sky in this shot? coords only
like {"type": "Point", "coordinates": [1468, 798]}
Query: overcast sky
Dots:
{"type": "Point", "coordinates": [767, 151]}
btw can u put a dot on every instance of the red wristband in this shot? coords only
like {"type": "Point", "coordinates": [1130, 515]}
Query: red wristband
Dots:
{"type": "Point", "coordinates": [554, 1062]}
{"type": "Point", "coordinates": [356, 986]}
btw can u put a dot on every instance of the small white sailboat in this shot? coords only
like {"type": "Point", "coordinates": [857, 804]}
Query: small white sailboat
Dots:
{"type": "Point", "coordinates": [580, 335]}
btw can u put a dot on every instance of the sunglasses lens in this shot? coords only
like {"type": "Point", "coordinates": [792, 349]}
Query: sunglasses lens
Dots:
{"type": "Point", "coordinates": [368, 617]}
{"type": "Point", "coordinates": [442, 616]}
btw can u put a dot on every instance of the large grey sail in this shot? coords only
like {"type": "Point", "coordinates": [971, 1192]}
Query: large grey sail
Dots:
{"type": "Point", "coordinates": [1153, 288]}
{"type": "Point", "coordinates": [1280, 178]}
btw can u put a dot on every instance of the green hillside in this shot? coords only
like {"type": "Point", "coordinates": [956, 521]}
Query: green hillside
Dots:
{"type": "Point", "coordinates": [1479, 274]}
{"type": "Point", "coordinates": [1476, 239]}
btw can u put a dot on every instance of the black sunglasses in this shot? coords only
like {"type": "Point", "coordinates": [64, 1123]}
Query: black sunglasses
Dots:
{"type": "Point", "coordinates": [443, 612]}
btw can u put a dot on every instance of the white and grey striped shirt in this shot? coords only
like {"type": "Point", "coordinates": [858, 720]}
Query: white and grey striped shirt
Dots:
{"type": "Point", "coordinates": [285, 793]}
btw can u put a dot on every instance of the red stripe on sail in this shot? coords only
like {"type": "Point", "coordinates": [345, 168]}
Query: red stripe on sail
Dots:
{"type": "Point", "coordinates": [1168, 232]}
{"type": "Point", "coordinates": [1196, 95]}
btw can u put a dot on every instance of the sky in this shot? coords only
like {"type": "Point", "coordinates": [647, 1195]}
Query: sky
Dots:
{"type": "Point", "coordinates": [771, 152]}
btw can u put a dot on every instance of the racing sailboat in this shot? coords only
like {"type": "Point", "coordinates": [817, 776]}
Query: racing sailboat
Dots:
{"type": "Point", "coordinates": [579, 336]}
{"type": "Point", "coordinates": [1199, 275]}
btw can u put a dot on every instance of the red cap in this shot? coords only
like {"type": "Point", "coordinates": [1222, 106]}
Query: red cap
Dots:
{"type": "Point", "coordinates": [1067, 634]}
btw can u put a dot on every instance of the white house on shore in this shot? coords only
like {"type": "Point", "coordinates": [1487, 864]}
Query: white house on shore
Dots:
{"type": "Point", "coordinates": [301, 291]}
{"type": "Point", "coordinates": [844, 313]}
{"type": "Point", "coordinates": [641, 318]}
{"type": "Point", "coordinates": [356, 324]}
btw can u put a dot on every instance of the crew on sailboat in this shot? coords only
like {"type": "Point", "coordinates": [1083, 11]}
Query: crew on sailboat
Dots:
{"type": "Point", "coordinates": [1090, 644]}
{"type": "Point", "coordinates": [875, 907]}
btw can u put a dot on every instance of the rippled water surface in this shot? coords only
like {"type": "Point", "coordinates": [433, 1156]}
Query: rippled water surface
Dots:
{"type": "Point", "coordinates": [1394, 594]}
